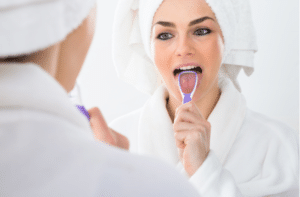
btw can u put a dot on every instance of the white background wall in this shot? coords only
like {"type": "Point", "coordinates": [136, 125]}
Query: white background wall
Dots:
{"type": "Point", "coordinates": [273, 89]}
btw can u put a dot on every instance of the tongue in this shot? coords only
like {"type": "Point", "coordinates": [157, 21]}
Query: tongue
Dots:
{"type": "Point", "coordinates": [187, 82]}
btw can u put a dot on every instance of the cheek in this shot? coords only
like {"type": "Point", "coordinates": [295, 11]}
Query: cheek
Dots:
{"type": "Point", "coordinates": [162, 59]}
{"type": "Point", "coordinates": [219, 45]}
{"type": "Point", "coordinates": [215, 50]}
{"type": "Point", "coordinates": [165, 59]}
{"type": "Point", "coordinates": [212, 55]}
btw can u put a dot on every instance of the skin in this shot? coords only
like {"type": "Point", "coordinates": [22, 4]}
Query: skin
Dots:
{"type": "Point", "coordinates": [73, 52]}
{"type": "Point", "coordinates": [105, 134]}
{"type": "Point", "coordinates": [182, 43]}
{"type": "Point", "coordinates": [63, 61]}
{"type": "Point", "coordinates": [191, 128]}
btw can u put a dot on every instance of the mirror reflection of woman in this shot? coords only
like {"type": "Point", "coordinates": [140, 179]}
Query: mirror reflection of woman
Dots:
{"type": "Point", "coordinates": [223, 147]}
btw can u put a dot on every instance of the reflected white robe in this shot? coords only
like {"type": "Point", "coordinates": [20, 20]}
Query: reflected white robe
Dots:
{"type": "Point", "coordinates": [251, 154]}
{"type": "Point", "coordinates": [47, 147]}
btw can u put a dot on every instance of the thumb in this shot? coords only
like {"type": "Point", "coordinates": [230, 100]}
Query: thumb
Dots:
{"type": "Point", "coordinates": [99, 125]}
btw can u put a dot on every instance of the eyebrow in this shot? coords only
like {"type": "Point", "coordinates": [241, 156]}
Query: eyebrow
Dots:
{"type": "Point", "coordinates": [165, 24]}
{"type": "Point", "coordinates": [194, 22]}
{"type": "Point", "coordinates": [200, 20]}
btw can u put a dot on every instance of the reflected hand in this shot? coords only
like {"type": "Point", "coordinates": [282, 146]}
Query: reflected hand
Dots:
{"type": "Point", "coordinates": [105, 134]}
{"type": "Point", "coordinates": [192, 135]}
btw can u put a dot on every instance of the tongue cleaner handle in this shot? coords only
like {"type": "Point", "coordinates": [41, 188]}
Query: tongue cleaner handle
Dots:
{"type": "Point", "coordinates": [187, 97]}
{"type": "Point", "coordinates": [82, 109]}
{"type": "Point", "coordinates": [75, 98]}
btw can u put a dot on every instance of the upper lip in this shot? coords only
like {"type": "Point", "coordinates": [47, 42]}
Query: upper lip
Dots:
{"type": "Point", "coordinates": [187, 64]}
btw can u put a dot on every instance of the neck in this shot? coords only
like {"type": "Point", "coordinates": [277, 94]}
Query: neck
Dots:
{"type": "Point", "coordinates": [206, 104]}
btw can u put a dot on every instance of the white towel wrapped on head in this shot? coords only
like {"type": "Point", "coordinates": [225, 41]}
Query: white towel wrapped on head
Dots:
{"type": "Point", "coordinates": [131, 40]}
{"type": "Point", "coordinates": [28, 26]}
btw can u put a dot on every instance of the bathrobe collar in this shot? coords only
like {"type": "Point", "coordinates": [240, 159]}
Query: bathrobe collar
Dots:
{"type": "Point", "coordinates": [155, 131]}
{"type": "Point", "coordinates": [28, 86]}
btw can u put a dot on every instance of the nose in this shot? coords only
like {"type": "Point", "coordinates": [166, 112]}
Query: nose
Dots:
{"type": "Point", "coordinates": [185, 47]}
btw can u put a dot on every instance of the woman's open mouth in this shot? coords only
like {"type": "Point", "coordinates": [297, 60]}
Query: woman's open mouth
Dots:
{"type": "Point", "coordinates": [195, 68]}
{"type": "Point", "coordinates": [188, 67]}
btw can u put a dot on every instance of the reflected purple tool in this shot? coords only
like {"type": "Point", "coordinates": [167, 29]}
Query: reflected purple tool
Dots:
{"type": "Point", "coordinates": [75, 98]}
{"type": "Point", "coordinates": [82, 109]}
{"type": "Point", "coordinates": [187, 81]}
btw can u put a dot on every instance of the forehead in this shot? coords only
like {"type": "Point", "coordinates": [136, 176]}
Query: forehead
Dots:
{"type": "Point", "coordinates": [182, 11]}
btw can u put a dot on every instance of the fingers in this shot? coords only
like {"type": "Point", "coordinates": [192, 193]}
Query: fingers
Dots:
{"type": "Point", "coordinates": [97, 118]}
{"type": "Point", "coordinates": [190, 127]}
{"type": "Point", "coordinates": [99, 126]}
{"type": "Point", "coordinates": [192, 136]}
{"type": "Point", "coordinates": [105, 134]}
{"type": "Point", "coordinates": [191, 107]}
{"type": "Point", "coordinates": [185, 137]}
{"type": "Point", "coordinates": [122, 141]}
{"type": "Point", "coordinates": [187, 126]}
{"type": "Point", "coordinates": [190, 114]}
{"type": "Point", "coordinates": [187, 116]}
{"type": "Point", "coordinates": [184, 130]}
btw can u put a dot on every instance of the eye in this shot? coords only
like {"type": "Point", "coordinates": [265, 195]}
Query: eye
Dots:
{"type": "Point", "coordinates": [164, 36]}
{"type": "Point", "coordinates": [202, 32]}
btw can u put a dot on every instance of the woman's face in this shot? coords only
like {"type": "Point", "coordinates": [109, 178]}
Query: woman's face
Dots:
{"type": "Point", "coordinates": [186, 33]}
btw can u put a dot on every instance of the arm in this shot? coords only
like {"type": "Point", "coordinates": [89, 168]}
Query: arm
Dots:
{"type": "Point", "coordinates": [273, 174]}
{"type": "Point", "coordinates": [211, 179]}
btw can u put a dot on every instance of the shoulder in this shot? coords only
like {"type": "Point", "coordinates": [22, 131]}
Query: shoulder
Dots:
{"type": "Point", "coordinates": [264, 147]}
{"type": "Point", "coordinates": [261, 124]}
{"type": "Point", "coordinates": [29, 143]}
{"type": "Point", "coordinates": [269, 134]}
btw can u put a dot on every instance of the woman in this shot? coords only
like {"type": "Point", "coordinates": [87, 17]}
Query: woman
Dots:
{"type": "Point", "coordinates": [225, 148]}
{"type": "Point", "coordinates": [46, 145]}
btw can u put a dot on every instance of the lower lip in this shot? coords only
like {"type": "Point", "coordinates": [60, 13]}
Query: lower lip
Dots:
{"type": "Point", "coordinates": [199, 76]}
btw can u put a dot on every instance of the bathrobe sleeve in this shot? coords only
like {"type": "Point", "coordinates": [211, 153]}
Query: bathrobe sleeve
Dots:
{"type": "Point", "coordinates": [262, 162]}
{"type": "Point", "coordinates": [212, 179]}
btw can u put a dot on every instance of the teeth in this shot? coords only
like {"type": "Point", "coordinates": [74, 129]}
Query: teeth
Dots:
{"type": "Point", "coordinates": [187, 68]}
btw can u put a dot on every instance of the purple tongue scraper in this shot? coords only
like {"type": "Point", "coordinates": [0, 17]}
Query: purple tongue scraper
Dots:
{"type": "Point", "coordinates": [82, 109]}
{"type": "Point", "coordinates": [75, 97]}
{"type": "Point", "coordinates": [187, 81]}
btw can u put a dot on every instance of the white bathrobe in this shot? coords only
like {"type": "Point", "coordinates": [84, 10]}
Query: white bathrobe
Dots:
{"type": "Point", "coordinates": [250, 155]}
{"type": "Point", "coordinates": [47, 147]}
